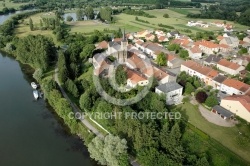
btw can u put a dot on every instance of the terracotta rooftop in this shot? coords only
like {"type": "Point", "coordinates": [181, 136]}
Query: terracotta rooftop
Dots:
{"type": "Point", "coordinates": [241, 86]}
{"type": "Point", "coordinates": [207, 44]}
{"type": "Point", "coordinates": [243, 99]}
{"type": "Point", "coordinates": [204, 70]}
{"type": "Point", "coordinates": [224, 46]}
{"type": "Point", "coordinates": [102, 45]}
{"type": "Point", "coordinates": [170, 57]}
{"type": "Point", "coordinates": [219, 37]}
{"type": "Point", "coordinates": [228, 64]}
{"type": "Point", "coordinates": [196, 49]}
{"type": "Point", "coordinates": [212, 74]}
{"type": "Point", "coordinates": [134, 76]}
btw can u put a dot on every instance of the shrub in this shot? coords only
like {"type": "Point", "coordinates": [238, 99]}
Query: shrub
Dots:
{"type": "Point", "coordinates": [201, 96]}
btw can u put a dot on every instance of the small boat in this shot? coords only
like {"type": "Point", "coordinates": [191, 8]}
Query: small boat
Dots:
{"type": "Point", "coordinates": [36, 94]}
{"type": "Point", "coordinates": [33, 85]}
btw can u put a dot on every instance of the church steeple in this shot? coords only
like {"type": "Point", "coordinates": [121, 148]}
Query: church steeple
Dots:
{"type": "Point", "coordinates": [124, 39]}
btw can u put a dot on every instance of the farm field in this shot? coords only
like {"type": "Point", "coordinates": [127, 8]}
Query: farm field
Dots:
{"type": "Point", "coordinates": [226, 136]}
{"type": "Point", "coordinates": [10, 4]}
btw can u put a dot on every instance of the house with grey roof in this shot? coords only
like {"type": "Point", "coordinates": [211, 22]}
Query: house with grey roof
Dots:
{"type": "Point", "coordinates": [212, 60]}
{"type": "Point", "coordinates": [217, 81]}
{"type": "Point", "coordinates": [222, 112]}
{"type": "Point", "coordinates": [172, 91]}
{"type": "Point", "coordinates": [231, 41]}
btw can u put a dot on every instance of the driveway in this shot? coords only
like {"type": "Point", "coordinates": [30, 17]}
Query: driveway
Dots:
{"type": "Point", "coordinates": [214, 118]}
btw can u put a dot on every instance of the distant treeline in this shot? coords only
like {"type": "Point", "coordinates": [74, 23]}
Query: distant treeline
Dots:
{"type": "Point", "coordinates": [138, 13]}
{"type": "Point", "coordinates": [205, 1]}
{"type": "Point", "coordinates": [226, 11]}
{"type": "Point", "coordinates": [165, 26]}
{"type": "Point", "coordinates": [7, 10]}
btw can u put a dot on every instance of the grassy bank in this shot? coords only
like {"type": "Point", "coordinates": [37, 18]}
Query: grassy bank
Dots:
{"type": "Point", "coordinates": [228, 137]}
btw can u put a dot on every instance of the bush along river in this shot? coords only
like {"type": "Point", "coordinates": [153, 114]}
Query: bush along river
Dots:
{"type": "Point", "coordinates": [30, 132]}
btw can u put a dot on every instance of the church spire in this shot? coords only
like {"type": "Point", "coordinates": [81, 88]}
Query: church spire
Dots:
{"type": "Point", "coordinates": [124, 36]}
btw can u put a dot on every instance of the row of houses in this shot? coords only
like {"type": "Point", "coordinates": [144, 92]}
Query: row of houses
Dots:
{"type": "Point", "coordinates": [213, 78]}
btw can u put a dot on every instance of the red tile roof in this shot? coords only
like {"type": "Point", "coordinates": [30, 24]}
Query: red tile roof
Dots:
{"type": "Point", "coordinates": [243, 99]}
{"type": "Point", "coordinates": [204, 70]}
{"type": "Point", "coordinates": [170, 57]}
{"type": "Point", "coordinates": [219, 37]}
{"type": "Point", "coordinates": [102, 45]}
{"type": "Point", "coordinates": [228, 64]}
{"type": "Point", "coordinates": [134, 76]}
{"type": "Point", "coordinates": [207, 44]}
{"type": "Point", "coordinates": [241, 86]}
{"type": "Point", "coordinates": [196, 49]}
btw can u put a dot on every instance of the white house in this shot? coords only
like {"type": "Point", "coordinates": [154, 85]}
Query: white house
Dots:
{"type": "Point", "coordinates": [135, 79]}
{"type": "Point", "coordinates": [195, 52]}
{"type": "Point", "coordinates": [234, 87]}
{"type": "Point", "coordinates": [208, 47]}
{"type": "Point", "coordinates": [229, 67]}
{"type": "Point", "coordinates": [238, 105]}
{"type": "Point", "coordinates": [173, 92]}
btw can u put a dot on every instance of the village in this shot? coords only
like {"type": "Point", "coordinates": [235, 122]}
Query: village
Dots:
{"type": "Point", "coordinates": [215, 64]}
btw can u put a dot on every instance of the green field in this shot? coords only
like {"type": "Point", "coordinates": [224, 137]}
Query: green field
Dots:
{"type": "Point", "coordinates": [177, 19]}
{"type": "Point", "coordinates": [185, 11]}
{"type": "Point", "coordinates": [23, 28]}
{"type": "Point", "coordinates": [10, 4]}
{"type": "Point", "coordinates": [224, 135]}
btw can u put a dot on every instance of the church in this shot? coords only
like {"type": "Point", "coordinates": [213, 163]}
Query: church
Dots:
{"type": "Point", "coordinates": [118, 49]}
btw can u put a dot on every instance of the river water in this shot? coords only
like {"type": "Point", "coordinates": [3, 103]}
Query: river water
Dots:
{"type": "Point", "coordinates": [30, 133]}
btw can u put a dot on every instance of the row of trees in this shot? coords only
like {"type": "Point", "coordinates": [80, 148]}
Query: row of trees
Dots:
{"type": "Point", "coordinates": [39, 51]}
{"type": "Point", "coordinates": [221, 12]}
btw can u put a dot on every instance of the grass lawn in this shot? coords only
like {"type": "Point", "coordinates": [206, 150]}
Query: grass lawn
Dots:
{"type": "Point", "coordinates": [226, 136]}
{"type": "Point", "coordinates": [10, 4]}
{"type": "Point", "coordinates": [23, 29]}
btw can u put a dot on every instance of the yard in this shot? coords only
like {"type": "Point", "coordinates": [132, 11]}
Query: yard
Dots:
{"type": "Point", "coordinates": [233, 138]}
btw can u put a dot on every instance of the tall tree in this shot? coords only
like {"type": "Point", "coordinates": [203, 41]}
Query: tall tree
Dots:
{"type": "Point", "coordinates": [161, 59]}
{"type": "Point", "coordinates": [110, 151]}
{"type": "Point", "coordinates": [79, 15]}
{"type": "Point", "coordinates": [89, 11]}
{"type": "Point", "coordinates": [31, 24]}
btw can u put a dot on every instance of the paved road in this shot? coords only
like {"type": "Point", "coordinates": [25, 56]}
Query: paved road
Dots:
{"type": "Point", "coordinates": [133, 162]}
{"type": "Point", "coordinates": [76, 109]}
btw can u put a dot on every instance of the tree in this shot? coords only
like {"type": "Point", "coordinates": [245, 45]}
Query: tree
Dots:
{"type": "Point", "coordinates": [31, 24]}
{"type": "Point", "coordinates": [184, 54]}
{"type": "Point", "coordinates": [69, 18]}
{"type": "Point", "coordinates": [174, 47]}
{"type": "Point", "coordinates": [197, 84]}
{"type": "Point", "coordinates": [79, 15]}
{"type": "Point", "coordinates": [71, 87]}
{"type": "Point", "coordinates": [37, 50]}
{"type": "Point", "coordinates": [248, 67]}
{"type": "Point", "coordinates": [211, 101]}
{"type": "Point", "coordinates": [87, 51]}
{"type": "Point", "coordinates": [110, 151]}
{"type": "Point", "coordinates": [161, 59]}
{"type": "Point", "coordinates": [120, 75]}
{"type": "Point", "coordinates": [189, 88]}
{"type": "Point", "coordinates": [38, 74]}
{"type": "Point", "coordinates": [89, 12]}
{"type": "Point", "coordinates": [242, 51]}
{"type": "Point", "coordinates": [165, 15]}
{"type": "Point", "coordinates": [105, 14]}
{"type": "Point", "coordinates": [86, 101]}
{"type": "Point", "coordinates": [202, 162]}
{"type": "Point", "coordinates": [201, 96]}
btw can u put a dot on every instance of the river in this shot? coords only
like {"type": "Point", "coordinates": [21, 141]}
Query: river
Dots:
{"type": "Point", "coordinates": [30, 133]}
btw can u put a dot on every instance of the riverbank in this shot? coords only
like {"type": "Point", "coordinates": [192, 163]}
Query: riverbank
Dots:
{"type": "Point", "coordinates": [31, 132]}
